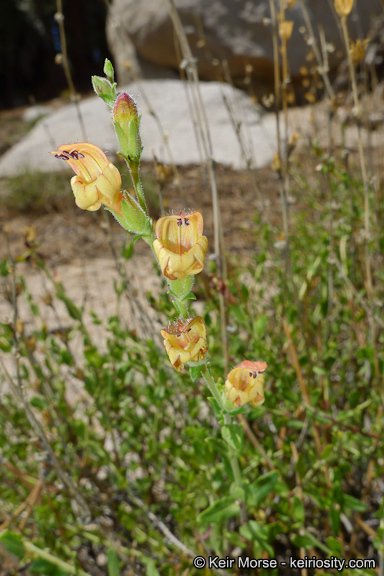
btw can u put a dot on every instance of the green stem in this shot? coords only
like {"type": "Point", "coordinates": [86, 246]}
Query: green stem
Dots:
{"type": "Point", "coordinates": [210, 382]}
{"type": "Point", "coordinates": [181, 289]}
{"type": "Point", "coordinates": [134, 168]}
{"type": "Point", "coordinates": [227, 420]}
{"type": "Point", "coordinates": [65, 566]}
{"type": "Point", "coordinates": [234, 461]}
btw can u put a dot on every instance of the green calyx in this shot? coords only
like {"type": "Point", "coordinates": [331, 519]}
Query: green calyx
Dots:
{"type": "Point", "coordinates": [134, 219]}
{"type": "Point", "coordinates": [129, 138]}
{"type": "Point", "coordinates": [181, 292]}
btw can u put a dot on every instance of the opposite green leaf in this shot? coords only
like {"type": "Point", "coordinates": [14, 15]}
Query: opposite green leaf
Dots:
{"type": "Point", "coordinates": [262, 487]}
{"type": "Point", "coordinates": [221, 510]}
{"type": "Point", "coordinates": [13, 544]}
{"type": "Point", "coordinates": [113, 563]}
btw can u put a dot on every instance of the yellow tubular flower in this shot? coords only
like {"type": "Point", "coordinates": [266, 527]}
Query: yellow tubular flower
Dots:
{"type": "Point", "coordinates": [185, 341]}
{"type": "Point", "coordinates": [285, 30]}
{"type": "Point", "coordinates": [97, 181]}
{"type": "Point", "coordinates": [343, 7]}
{"type": "Point", "coordinates": [180, 246]}
{"type": "Point", "coordinates": [357, 50]}
{"type": "Point", "coordinates": [245, 383]}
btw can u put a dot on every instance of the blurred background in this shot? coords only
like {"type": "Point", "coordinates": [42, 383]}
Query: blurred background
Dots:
{"type": "Point", "coordinates": [139, 39]}
{"type": "Point", "coordinates": [30, 40]}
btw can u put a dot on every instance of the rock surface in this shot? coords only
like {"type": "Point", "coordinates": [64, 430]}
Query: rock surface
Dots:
{"type": "Point", "coordinates": [170, 100]}
{"type": "Point", "coordinates": [141, 36]}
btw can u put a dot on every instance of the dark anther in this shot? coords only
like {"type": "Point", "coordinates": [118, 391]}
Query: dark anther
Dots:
{"type": "Point", "coordinates": [62, 156]}
{"type": "Point", "coordinates": [75, 154]}
{"type": "Point", "coordinates": [183, 221]}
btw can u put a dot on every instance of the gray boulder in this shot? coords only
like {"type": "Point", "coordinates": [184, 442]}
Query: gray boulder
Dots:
{"type": "Point", "coordinates": [228, 110]}
{"type": "Point", "coordinates": [141, 37]}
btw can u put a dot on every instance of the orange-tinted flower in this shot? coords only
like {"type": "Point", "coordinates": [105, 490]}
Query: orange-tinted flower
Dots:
{"type": "Point", "coordinates": [180, 246]}
{"type": "Point", "coordinates": [285, 30]}
{"type": "Point", "coordinates": [357, 50]}
{"type": "Point", "coordinates": [343, 7]}
{"type": "Point", "coordinates": [185, 341]}
{"type": "Point", "coordinates": [245, 383]}
{"type": "Point", "coordinates": [97, 181]}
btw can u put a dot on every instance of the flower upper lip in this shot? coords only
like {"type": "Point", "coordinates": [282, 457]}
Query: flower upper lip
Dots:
{"type": "Point", "coordinates": [85, 159]}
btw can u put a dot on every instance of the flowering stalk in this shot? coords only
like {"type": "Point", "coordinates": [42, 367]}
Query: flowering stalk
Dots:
{"type": "Point", "coordinates": [180, 247]}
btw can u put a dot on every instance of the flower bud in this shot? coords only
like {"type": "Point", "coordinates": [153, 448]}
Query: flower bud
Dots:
{"type": "Point", "coordinates": [185, 341]}
{"type": "Point", "coordinates": [245, 383]}
{"type": "Point", "coordinates": [127, 124]}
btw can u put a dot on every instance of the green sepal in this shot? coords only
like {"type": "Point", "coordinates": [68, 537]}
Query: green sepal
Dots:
{"type": "Point", "coordinates": [194, 372]}
{"type": "Point", "coordinates": [233, 410]}
{"type": "Point", "coordinates": [181, 289]}
{"type": "Point", "coordinates": [130, 141]}
{"type": "Point", "coordinates": [122, 141]}
{"type": "Point", "coordinates": [189, 296]}
{"type": "Point", "coordinates": [177, 307]}
{"type": "Point", "coordinates": [136, 220]}
{"type": "Point", "coordinates": [134, 141]}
